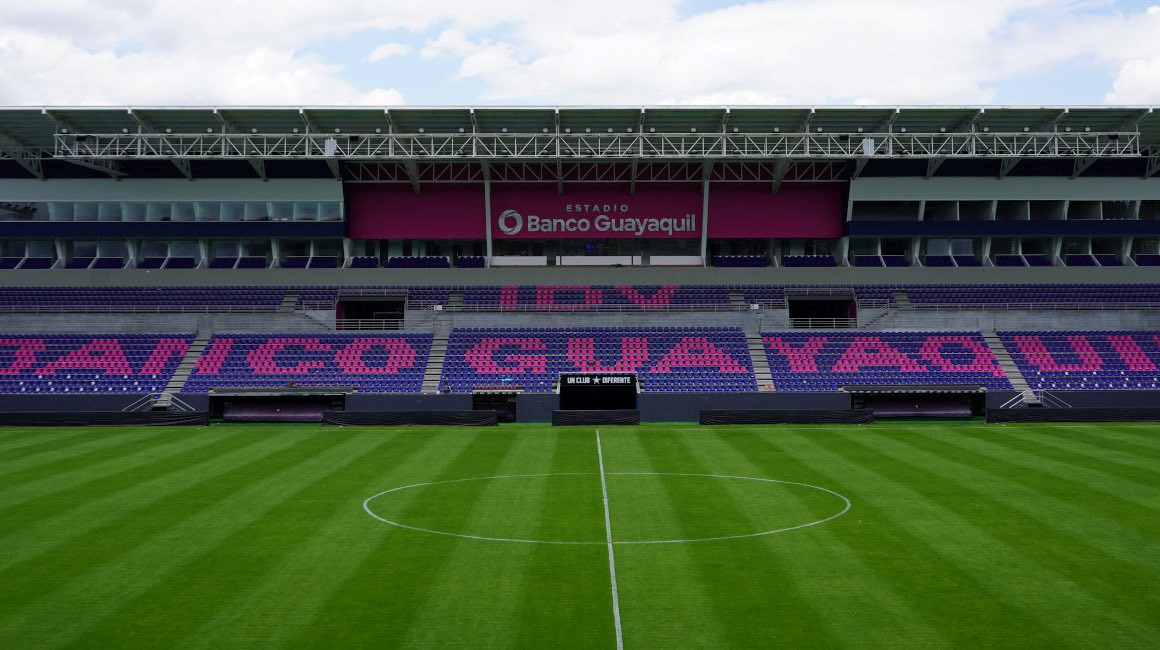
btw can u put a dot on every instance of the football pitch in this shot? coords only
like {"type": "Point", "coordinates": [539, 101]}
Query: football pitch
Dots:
{"type": "Point", "coordinates": [922, 535]}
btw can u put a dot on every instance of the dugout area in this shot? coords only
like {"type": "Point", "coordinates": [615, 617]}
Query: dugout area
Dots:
{"type": "Point", "coordinates": [604, 398]}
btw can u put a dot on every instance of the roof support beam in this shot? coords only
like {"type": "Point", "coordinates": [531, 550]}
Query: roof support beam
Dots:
{"type": "Point", "coordinates": [412, 169]}
{"type": "Point", "coordinates": [1081, 165]}
{"type": "Point", "coordinates": [968, 125]}
{"type": "Point", "coordinates": [559, 160]}
{"type": "Point", "coordinates": [107, 166]}
{"type": "Point", "coordinates": [22, 156]}
{"type": "Point", "coordinates": [1133, 123]}
{"type": "Point", "coordinates": [780, 169]}
{"type": "Point", "coordinates": [1053, 121]}
{"type": "Point", "coordinates": [932, 165]}
{"type": "Point", "coordinates": [1006, 165]}
{"type": "Point", "coordinates": [633, 168]}
{"type": "Point", "coordinates": [1153, 164]}
{"type": "Point", "coordinates": [887, 124]}
{"type": "Point", "coordinates": [859, 165]}
{"type": "Point", "coordinates": [146, 126]}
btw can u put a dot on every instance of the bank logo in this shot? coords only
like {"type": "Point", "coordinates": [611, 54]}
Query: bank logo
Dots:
{"type": "Point", "coordinates": [511, 222]}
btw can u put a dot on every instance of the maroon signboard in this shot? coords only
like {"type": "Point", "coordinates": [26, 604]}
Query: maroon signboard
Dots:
{"type": "Point", "coordinates": [804, 210]}
{"type": "Point", "coordinates": [596, 211]}
{"type": "Point", "coordinates": [391, 211]}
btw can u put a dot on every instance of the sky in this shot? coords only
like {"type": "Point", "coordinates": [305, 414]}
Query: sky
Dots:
{"type": "Point", "coordinates": [579, 52]}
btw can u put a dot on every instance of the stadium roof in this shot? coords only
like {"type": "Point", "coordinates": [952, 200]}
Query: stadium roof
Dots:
{"type": "Point", "coordinates": [107, 138]}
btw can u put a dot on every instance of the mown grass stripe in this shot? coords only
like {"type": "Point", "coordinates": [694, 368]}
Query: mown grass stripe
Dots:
{"type": "Point", "coordinates": [1139, 434]}
{"type": "Point", "coordinates": [184, 599]}
{"type": "Point", "coordinates": [63, 615]}
{"type": "Point", "coordinates": [478, 591]}
{"type": "Point", "coordinates": [106, 441]}
{"type": "Point", "coordinates": [664, 589]}
{"type": "Point", "coordinates": [873, 613]}
{"type": "Point", "coordinates": [1049, 599]}
{"type": "Point", "coordinates": [18, 444]}
{"type": "Point", "coordinates": [259, 612]}
{"type": "Point", "coordinates": [564, 599]}
{"type": "Point", "coordinates": [399, 571]}
{"type": "Point", "coordinates": [1068, 539]}
{"type": "Point", "coordinates": [1078, 445]}
{"type": "Point", "coordinates": [915, 569]}
{"type": "Point", "coordinates": [1068, 505]}
{"type": "Point", "coordinates": [775, 600]}
{"type": "Point", "coordinates": [60, 523]}
{"type": "Point", "coordinates": [79, 472]}
{"type": "Point", "coordinates": [1066, 466]}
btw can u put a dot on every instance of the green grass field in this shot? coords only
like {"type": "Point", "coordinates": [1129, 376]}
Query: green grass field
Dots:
{"type": "Point", "coordinates": [956, 534]}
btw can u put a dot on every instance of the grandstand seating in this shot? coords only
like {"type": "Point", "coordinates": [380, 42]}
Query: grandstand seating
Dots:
{"type": "Point", "coordinates": [364, 262]}
{"type": "Point", "coordinates": [665, 359]}
{"type": "Point", "coordinates": [581, 298]}
{"type": "Point", "coordinates": [83, 363]}
{"type": "Point", "coordinates": [868, 260]}
{"type": "Point", "coordinates": [1010, 260]}
{"type": "Point", "coordinates": [251, 262]}
{"type": "Point", "coordinates": [811, 261]}
{"type": "Point", "coordinates": [739, 261]}
{"type": "Point", "coordinates": [37, 263]}
{"type": "Point", "coordinates": [166, 299]}
{"type": "Point", "coordinates": [982, 296]}
{"type": "Point", "coordinates": [471, 262]}
{"type": "Point", "coordinates": [419, 262]}
{"type": "Point", "coordinates": [813, 361]}
{"type": "Point", "coordinates": [7, 263]}
{"type": "Point", "coordinates": [392, 363]}
{"type": "Point", "coordinates": [939, 260]}
{"type": "Point", "coordinates": [1086, 360]}
{"type": "Point", "coordinates": [1079, 260]}
{"type": "Point", "coordinates": [1148, 259]}
{"type": "Point", "coordinates": [151, 262]}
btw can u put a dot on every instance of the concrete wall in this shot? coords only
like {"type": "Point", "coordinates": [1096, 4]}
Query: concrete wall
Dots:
{"type": "Point", "coordinates": [558, 275]}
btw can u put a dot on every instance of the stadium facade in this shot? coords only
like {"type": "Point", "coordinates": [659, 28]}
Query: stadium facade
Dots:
{"type": "Point", "coordinates": [795, 217]}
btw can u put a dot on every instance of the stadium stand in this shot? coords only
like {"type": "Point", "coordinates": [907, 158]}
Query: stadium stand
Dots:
{"type": "Point", "coordinates": [378, 364]}
{"type": "Point", "coordinates": [813, 361]}
{"type": "Point", "coordinates": [668, 359]}
{"type": "Point", "coordinates": [89, 363]}
{"type": "Point", "coordinates": [1086, 360]}
{"type": "Point", "coordinates": [774, 277]}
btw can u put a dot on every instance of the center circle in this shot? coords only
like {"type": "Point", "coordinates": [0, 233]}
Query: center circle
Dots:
{"type": "Point", "coordinates": [573, 507]}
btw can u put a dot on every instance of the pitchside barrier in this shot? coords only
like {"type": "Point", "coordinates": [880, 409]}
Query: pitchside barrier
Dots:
{"type": "Point", "coordinates": [1088, 414]}
{"type": "Point", "coordinates": [408, 418]}
{"type": "Point", "coordinates": [772, 416]}
{"type": "Point", "coordinates": [609, 417]}
{"type": "Point", "coordinates": [99, 419]}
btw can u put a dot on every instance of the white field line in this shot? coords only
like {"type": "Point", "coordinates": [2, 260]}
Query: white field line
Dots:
{"type": "Point", "coordinates": [611, 548]}
{"type": "Point", "coordinates": [368, 509]}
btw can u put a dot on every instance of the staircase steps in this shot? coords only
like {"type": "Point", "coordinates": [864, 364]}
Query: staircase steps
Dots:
{"type": "Point", "coordinates": [761, 371]}
{"type": "Point", "coordinates": [1003, 356]}
{"type": "Point", "coordinates": [184, 370]}
{"type": "Point", "coordinates": [289, 302]}
{"type": "Point", "coordinates": [434, 370]}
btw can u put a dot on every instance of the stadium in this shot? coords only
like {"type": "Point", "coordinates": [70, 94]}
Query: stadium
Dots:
{"type": "Point", "coordinates": [579, 376]}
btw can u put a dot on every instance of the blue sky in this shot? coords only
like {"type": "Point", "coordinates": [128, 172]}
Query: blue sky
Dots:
{"type": "Point", "coordinates": [579, 52]}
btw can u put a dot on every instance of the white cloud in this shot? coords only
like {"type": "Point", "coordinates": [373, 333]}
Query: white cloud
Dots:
{"type": "Point", "coordinates": [1138, 82]}
{"type": "Point", "coordinates": [578, 52]}
{"type": "Point", "coordinates": [387, 50]}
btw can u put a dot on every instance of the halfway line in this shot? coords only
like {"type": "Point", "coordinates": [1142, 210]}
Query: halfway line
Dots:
{"type": "Point", "coordinates": [611, 552]}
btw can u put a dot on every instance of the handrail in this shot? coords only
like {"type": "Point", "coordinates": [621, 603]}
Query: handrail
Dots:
{"type": "Point", "coordinates": [368, 324]}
